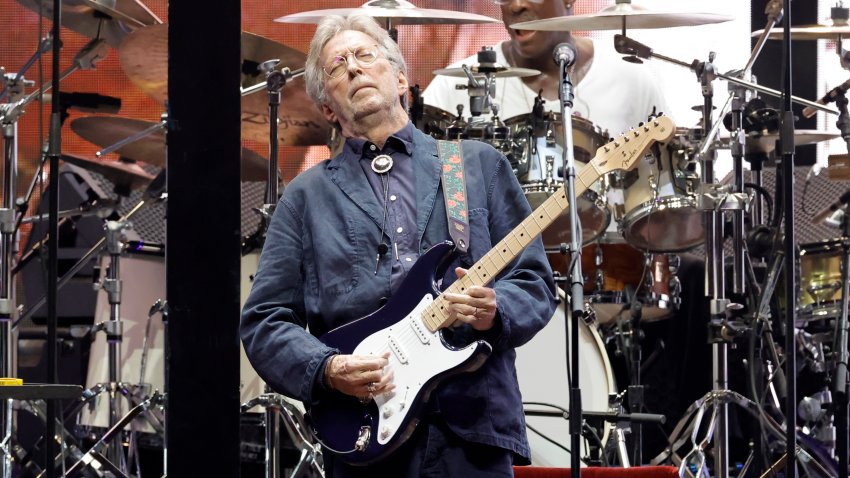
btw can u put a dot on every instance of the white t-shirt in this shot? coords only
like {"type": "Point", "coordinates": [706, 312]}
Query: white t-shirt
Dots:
{"type": "Point", "coordinates": [614, 95]}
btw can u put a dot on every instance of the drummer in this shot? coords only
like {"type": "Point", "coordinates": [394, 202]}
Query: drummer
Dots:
{"type": "Point", "coordinates": [613, 94]}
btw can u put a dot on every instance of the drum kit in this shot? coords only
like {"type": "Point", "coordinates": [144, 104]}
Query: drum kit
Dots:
{"type": "Point", "coordinates": [633, 224]}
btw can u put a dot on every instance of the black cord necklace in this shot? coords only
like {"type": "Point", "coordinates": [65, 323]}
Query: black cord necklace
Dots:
{"type": "Point", "coordinates": [381, 165]}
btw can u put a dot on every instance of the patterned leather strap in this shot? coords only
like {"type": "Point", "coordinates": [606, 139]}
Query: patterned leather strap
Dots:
{"type": "Point", "coordinates": [454, 192]}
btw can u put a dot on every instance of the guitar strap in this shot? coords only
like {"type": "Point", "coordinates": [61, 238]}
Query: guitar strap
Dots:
{"type": "Point", "coordinates": [454, 192]}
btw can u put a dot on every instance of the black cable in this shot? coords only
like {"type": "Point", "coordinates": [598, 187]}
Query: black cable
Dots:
{"type": "Point", "coordinates": [766, 195]}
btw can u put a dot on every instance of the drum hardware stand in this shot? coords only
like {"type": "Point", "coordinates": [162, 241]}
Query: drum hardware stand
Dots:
{"type": "Point", "coordinates": [94, 454]}
{"type": "Point", "coordinates": [275, 82]}
{"type": "Point", "coordinates": [839, 382]}
{"type": "Point", "coordinates": [311, 454]}
{"type": "Point", "coordinates": [163, 122]}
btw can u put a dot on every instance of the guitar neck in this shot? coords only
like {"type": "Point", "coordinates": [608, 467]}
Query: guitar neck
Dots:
{"type": "Point", "coordinates": [622, 153]}
{"type": "Point", "coordinates": [512, 245]}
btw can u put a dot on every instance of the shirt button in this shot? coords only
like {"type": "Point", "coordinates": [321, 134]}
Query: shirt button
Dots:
{"type": "Point", "coordinates": [399, 230]}
{"type": "Point", "coordinates": [408, 259]}
{"type": "Point", "coordinates": [393, 197]}
{"type": "Point", "coordinates": [372, 147]}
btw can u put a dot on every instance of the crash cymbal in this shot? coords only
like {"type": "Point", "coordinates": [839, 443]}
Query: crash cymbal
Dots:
{"type": "Point", "coordinates": [766, 143]}
{"type": "Point", "coordinates": [809, 32]}
{"type": "Point", "coordinates": [498, 71]}
{"type": "Point", "coordinates": [121, 173]}
{"type": "Point", "coordinates": [392, 12]}
{"type": "Point", "coordinates": [622, 16]}
{"type": "Point", "coordinates": [112, 20]}
{"type": "Point", "coordinates": [144, 58]}
{"type": "Point", "coordinates": [108, 130]}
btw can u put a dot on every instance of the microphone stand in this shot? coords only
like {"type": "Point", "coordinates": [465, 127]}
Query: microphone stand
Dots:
{"type": "Point", "coordinates": [576, 296]}
{"type": "Point", "coordinates": [786, 139]}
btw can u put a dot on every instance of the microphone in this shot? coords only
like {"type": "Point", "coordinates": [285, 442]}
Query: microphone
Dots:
{"type": "Point", "coordinates": [814, 171]}
{"type": "Point", "coordinates": [565, 54]}
{"type": "Point", "coordinates": [88, 102]}
{"type": "Point", "coordinates": [842, 201]}
{"type": "Point", "coordinates": [146, 247]}
{"type": "Point", "coordinates": [829, 97]}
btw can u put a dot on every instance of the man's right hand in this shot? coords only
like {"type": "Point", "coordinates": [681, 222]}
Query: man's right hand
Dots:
{"type": "Point", "coordinates": [361, 376]}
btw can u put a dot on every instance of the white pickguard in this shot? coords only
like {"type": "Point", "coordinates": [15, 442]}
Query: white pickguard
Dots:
{"type": "Point", "coordinates": [416, 355]}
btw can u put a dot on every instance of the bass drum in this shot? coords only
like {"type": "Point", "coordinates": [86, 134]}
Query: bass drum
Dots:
{"type": "Point", "coordinates": [537, 146]}
{"type": "Point", "coordinates": [542, 374]}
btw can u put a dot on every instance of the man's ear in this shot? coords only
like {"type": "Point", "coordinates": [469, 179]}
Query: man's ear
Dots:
{"type": "Point", "coordinates": [329, 114]}
{"type": "Point", "coordinates": [403, 85]}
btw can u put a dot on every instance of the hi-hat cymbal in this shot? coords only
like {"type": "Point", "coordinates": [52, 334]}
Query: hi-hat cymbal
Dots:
{"type": "Point", "coordinates": [144, 58]}
{"type": "Point", "coordinates": [622, 16]}
{"type": "Point", "coordinates": [395, 12]}
{"type": "Point", "coordinates": [108, 130]}
{"type": "Point", "coordinates": [111, 20]}
{"type": "Point", "coordinates": [122, 173]}
{"type": "Point", "coordinates": [498, 71]}
{"type": "Point", "coordinates": [766, 143]}
{"type": "Point", "coordinates": [809, 32]}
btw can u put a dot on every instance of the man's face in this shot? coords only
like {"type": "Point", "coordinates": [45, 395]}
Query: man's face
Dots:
{"type": "Point", "coordinates": [362, 89]}
{"type": "Point", "coordinates": [530, 43]}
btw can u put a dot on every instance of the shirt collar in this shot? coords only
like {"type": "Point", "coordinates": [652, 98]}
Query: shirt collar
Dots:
{"type": "Point", "coordinates": [402, 140]}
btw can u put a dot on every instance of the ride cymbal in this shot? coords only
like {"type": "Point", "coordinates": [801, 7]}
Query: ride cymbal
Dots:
{"type": "Point", "coordinates": [392, 12]}
{"type": "Point", "coordinates": [809, 32]}
{"type": "Point", "coordinates": [497, 72]}
{"type": "Point", "coordinates": [622, 16]}
{"type": "Point", "coordinates": [105, 131]}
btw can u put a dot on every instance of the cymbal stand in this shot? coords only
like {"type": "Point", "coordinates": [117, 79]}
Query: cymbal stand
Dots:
{"type": "Point", "coordinates": [275, 82]}
{"type": "Point", "coordinates": [840, 382]}
{"type": "Point", "coordinates": [114, 329]}
{"type": "Point", "coordinates": [311, 454]}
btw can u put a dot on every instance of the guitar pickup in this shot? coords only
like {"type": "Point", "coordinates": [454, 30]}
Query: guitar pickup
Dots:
{"type": "Point", "coordinates": [420, 332]}
{"type": "Point", "coordinates": [397, 350]}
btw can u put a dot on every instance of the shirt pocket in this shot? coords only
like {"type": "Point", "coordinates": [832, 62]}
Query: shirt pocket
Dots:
{"type": "Point", "coordinates": [334, 255]}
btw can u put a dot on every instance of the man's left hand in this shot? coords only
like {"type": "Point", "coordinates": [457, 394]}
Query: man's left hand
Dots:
{"type": "Point", "coordinates": [477, 307]}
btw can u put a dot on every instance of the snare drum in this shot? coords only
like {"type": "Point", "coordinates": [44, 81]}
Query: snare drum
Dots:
{"type": "Point", "coordinates": [609, 269]}
{"type": "Point", "coordinates": [542, 375]}
{"type": "Point", "coordinates": [538, 143]}
{"type": "Point", "coordinates": [660, 200]}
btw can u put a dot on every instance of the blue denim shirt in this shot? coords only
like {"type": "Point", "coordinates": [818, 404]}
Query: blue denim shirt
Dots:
{"type": "Point", "coordinates": [317, 270]}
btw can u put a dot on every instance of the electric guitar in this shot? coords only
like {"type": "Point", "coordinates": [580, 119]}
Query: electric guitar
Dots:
{"type": "Point", "coordinates": [409, 324]}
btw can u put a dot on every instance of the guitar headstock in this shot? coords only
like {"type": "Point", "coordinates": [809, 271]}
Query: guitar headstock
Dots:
{"type": "Point", "coordinates": [625, 151]}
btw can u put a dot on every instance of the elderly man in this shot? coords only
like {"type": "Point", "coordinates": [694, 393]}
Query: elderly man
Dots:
{"type": "Point", "coordinates": [343, 242]}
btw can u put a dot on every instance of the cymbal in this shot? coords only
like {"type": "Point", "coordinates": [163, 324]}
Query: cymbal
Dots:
{"type": "Point", "coordinates": [809, 32]}
{"type": "Point", "coordinates": [119, 172]}
{"type": "Point", "coordinates": [500, 72]}
{"type": "Point", "coordinates": [766, 143]}
{"type": "Point", "coordinates": [622, 16]}
{"type": "Point", "coordinates": [108, 130]}
{"type": "Point", "coordinates": [111, 20]}
{"type": "Point", "coordinates": [393, 12]}
{"type": "Point", "coordinates": [144, 58]}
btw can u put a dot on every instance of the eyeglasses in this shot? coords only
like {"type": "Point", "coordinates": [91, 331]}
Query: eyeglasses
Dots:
{"type": "Point", "coordinates": [365, 56]}
{"type": "Point", "coordinates": [505, 2]}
